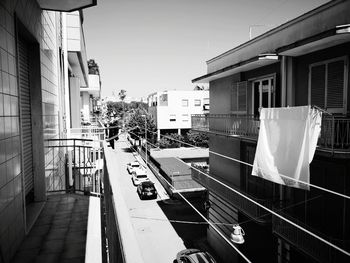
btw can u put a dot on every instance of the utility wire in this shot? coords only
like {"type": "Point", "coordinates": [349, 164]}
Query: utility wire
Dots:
{"type": "Point", "coordinates": [217, 223]}
{"type": "Point", "coordinates": [271, 211]}
{"type": "Point", "coordinates": [248, 164]}
{"type": "Point", "coordinates": [199, 213]}
{"type": "Point", "coordinates": [267, 209]}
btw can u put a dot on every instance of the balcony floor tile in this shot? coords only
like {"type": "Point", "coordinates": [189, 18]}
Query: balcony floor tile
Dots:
{"type": "Point", "coordinates": [59, 234]}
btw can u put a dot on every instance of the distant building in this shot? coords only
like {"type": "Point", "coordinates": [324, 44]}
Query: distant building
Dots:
{"type": "Point", "coordinates": [172, 110]}
{"type": "Point", "coordinates": [90, 98]}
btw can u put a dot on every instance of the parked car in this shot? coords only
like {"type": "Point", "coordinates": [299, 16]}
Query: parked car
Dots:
{"type": "Point", "coordinates": [131, 166]}
{"type": "Point", "coordinates": [147, 190]}
{"type": "Point", "coordinates": [193, 255]}
{"type": "Point", "coordinates": [139, 175]}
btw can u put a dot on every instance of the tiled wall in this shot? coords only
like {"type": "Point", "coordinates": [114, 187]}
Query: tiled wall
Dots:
{"type": "Point", "coordinates": [42, 25]}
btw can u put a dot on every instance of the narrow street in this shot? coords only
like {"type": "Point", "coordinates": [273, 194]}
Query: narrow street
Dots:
{"type": "Point", "coordinates": [159, 240]}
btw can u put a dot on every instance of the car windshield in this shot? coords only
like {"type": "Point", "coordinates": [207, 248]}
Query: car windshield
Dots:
{"type": "Point", "coordinates": [135, 165]}
{"type": "Point", "coordinates": [142, 176]}
{"type": "Point", "coordinates": [148, 188]}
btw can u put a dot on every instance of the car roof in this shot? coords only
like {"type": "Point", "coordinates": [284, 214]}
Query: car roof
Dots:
{"type": "Point", "coordinates": [132, 163]}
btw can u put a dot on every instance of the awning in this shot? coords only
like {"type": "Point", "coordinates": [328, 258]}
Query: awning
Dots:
{"type": "Point", "coordinates": [66, 5]}
{"type": "Point", "coordinates": [252, 63]}
{"type": "Point", "coordinates": [330, 38]}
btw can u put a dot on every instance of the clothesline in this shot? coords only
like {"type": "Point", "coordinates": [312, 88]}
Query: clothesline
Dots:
{"type": "Point", "coordinates": [260, 205]}
{"type": "Point", "coordinates": [248, 164]}
{"type": "Point", "coordinates": [204, 218]}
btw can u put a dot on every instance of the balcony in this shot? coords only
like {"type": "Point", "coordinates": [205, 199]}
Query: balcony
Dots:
{"type": "Point", "coordinates": [334, 138]}
{"type": "Point", "coordinates": [250, 209]}
{"type": "Point", "coordinates": [68, 228]}
{"type": "Point", "coordinates": [307, 243]}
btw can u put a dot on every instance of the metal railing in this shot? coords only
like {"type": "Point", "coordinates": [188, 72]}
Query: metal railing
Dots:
{"type": "Point", "coordinates": [252, 210]}
{"type": "Point", "coordinates": [335, 130]}
{"type": "Point", "coordinates": [239, 125]}
{"type": "Point", "coordinates": [76, 165]}
{"type": "Point", "coordinates": [89, 132]}
{"type": "Point", "coordinates": [307, 243]}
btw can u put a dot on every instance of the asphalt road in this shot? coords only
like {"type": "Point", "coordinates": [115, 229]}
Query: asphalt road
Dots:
{"type": "Point", "coordinates": [156, 236]}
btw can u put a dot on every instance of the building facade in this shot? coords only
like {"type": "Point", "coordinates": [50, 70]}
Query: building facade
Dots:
{"type": "Point", "coordinates": [302, 62]}
{"type": "Point", "coordinates": [34, 89]}
{"type": "Point", "coordinates": [172, 109]}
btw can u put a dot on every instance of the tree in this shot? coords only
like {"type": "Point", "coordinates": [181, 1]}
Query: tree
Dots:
{"type": "Point", "coordinates": [122, 94]}
{"type": "Point", "coordinates": [197, 138]}
{"type": "Point", "coordinates": [136, 124]}
{"type": "Point", "coordinates": [93, 67]}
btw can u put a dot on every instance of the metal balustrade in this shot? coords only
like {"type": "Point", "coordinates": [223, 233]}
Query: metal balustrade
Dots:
{"type": "Point", "coordinates": [307, 243]}
{"type": "Point", "coordinates": [76, 165]}
{"type": "Point", "coordinates": [334, 137]}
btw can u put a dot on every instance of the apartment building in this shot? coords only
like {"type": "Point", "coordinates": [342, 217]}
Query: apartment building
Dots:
{"type": "Point", "coordinates": [40, 71]}
{"type": "Point", "coordinates": [90, 98]}
{"type": "Point", "coordinates": [304, 61]}
{"type": "Point", "coordinates": [172, 109]}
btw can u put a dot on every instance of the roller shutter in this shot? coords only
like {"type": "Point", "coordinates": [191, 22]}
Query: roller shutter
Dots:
{"type": "Point", "coordinates": [26, 120]}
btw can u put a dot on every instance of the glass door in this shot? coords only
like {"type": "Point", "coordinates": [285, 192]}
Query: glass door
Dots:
{"type": "Point", "coordinates": [263, 94]}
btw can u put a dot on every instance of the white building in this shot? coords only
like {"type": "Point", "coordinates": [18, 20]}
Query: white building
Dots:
{"type": "Point", "coordinates": [172, 110]}
{"type": "Point", "coordinates": [90, 97]}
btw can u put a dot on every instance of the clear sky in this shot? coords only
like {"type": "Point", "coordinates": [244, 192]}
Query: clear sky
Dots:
{"type": "Point", "coordinates": [144, 46]}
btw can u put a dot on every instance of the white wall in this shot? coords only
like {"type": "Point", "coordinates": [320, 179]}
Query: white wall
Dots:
{"type": "Point", "coordinates": [175, 107]}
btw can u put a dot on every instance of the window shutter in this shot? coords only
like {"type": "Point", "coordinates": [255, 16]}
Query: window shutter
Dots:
{"type": "Point", "coordinates": [318, 85]}
{"type": "Point", "coordinates": [242, 96]}
{"type": "Point", "coordinates": [335, 84]}
{"type": "Point", "coordinates": [234, 106]}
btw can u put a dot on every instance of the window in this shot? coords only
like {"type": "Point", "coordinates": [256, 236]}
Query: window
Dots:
{"type": "Point", "coordinates": [184, 103]}
{"type": "Point", "coordinates": [185, 117]}
{"type": "Point", "coordinates": [239, 97]}
{"type": "Point", "coordinates": [172, 117]}
{"type": "Point", "coordinates": [206, 104]}
{"type": "Point", "coordinates": [163, 100]}
{"type": "Point", "coordinates": [197, 102]}
{"type": "Point", "coordinates": [327, 82]}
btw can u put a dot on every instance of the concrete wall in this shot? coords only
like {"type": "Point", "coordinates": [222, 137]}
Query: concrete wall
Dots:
{"type": "Point", "coordinates": [220, 94]}
{"type": "Point", "coordinates": [42, 27]}
{"type": "Point", "coordinates": [74, 90]}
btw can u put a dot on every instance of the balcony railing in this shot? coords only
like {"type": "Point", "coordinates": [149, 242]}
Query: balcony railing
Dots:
{"type": "Point", "coordinates": [94, 133]}
{"type": "Point", "coordinates": [252, 210]}
{"type": "Point", "coordinates": [75, 166]}
{"type": "Point", "coordinates": [307, 243]}
{"type": "Point", "coordinates": [335, 131]}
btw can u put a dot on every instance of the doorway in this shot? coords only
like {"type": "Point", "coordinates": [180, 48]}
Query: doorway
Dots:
{"type": "Point", "coordinates": [263, 91]}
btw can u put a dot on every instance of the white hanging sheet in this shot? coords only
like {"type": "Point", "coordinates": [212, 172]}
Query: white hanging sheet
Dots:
{"type": "Point", "coordinates": [286, 144]}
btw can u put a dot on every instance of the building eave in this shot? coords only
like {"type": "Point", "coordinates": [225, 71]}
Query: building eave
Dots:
{"type": "Point", "coordinates": [65, 5]}
{"type": "Point", "coordinates": [329, 38]}
{"type": "Point", "coordinates": [249, 64]}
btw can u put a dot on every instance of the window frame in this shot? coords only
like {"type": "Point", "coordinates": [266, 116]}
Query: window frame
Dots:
{"type": "Point", "coordinates": [345, 85]}
{"type": "Point", "coordinates": [196, 104]}
{"type": "Point", "coordinates": [182, 102]}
